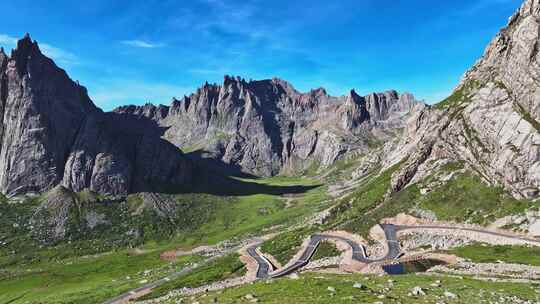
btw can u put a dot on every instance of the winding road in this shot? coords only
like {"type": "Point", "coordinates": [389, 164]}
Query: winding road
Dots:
{"type": "Point", "coordinates": [358, 250]}
{"type": "Point", "coordinates": [265, 267]}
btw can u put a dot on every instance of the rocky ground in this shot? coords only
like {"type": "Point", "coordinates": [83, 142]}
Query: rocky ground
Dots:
{"type": "Point", "coordinates": [493, 270]}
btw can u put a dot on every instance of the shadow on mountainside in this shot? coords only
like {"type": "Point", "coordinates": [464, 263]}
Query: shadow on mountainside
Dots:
{"type": "Point", "coordinates": [213, 176]}
{"type": "Point", "coordinates": [159, 166]}
{"type": "Point", "coordinates": [230, 186]}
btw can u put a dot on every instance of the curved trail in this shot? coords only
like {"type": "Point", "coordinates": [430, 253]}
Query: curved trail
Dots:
{"type": "Point", "coordinates": [359, 253]}
{"type": "Point", "coordinates": [264, 267]}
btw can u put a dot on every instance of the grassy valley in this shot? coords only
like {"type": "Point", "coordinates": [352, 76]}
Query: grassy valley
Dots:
{"type": "Point", "coordinates": [124, 251]}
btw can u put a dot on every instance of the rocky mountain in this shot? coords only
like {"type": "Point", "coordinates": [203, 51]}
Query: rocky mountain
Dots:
{"type": "Point", "coordinates": [51, 133]}
{"type": "Point", "coordinates": [267, 127]}
{"type": "Point", "coordinates": [492, 120]}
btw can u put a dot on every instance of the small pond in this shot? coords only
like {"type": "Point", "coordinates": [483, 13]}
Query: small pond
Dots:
{"type": "Point", "coordinates": [412, 266]}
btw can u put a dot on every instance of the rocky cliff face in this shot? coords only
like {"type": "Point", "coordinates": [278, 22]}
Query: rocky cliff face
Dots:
{"type": "Point", "coordinates": [492, 120]}
{"type": "Point", "coordinates": [51, 133]}
{"type": "Point", "coordinates": [41, 111]}
{"type": "Point", "coordinates": [267, 127]}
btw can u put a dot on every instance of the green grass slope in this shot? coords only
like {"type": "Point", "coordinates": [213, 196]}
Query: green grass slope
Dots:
{"type": "Point", "coordinates": [314, 288]}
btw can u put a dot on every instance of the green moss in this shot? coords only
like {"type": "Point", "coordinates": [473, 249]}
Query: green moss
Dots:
{"type": "Point", "coordinates": [313, 288]}
{"type": "Point", "coordinates": [481, 253]}
{"type": "Point", "coordinates": [215, 271]}
{"type": "Point", "coordinates": [473, 140]}
{"type": "Point", "coordinates": [459, 96]}
{"type": "Point", "coordinates": [400, 202]}
{"type": "Point", "coordinates": [452, 166]}
{"type": "Point", "coordinates": [355, 211]}
{"type": "Point", "coordinates": [326, 250]}
{"type": "Point", "coordinates": [466, 198]}
{"type": "Point", "coordinates": [374, 142]}
{"type": "Point", "coordinates": [313, 168]}
{"type": "Point", "coordinates": [527, 116]}
{"type": "Point", "coordinates": [284, 246]}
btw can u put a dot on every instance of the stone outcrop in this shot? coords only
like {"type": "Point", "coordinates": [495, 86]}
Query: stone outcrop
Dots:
{"type": "Point", "coordinates": [51, 218]}
{"type": "Point", "coordinates": [51, 133]}
{"type": "Point", "coordinates": [492, 120]}
{"type": "Point", "coordinates": [267, 127]}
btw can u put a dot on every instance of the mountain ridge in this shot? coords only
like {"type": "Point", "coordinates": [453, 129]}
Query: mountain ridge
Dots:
{"type": "Point", "coordinates": [491, 120]}
{"type": "Point", "coordinates": [292, 123]}
{"type": "Point", "coordinates": [52, 133]}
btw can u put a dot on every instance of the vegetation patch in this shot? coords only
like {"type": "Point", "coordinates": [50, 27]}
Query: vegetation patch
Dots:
{"type": "Point", "coordinates": [86, 279]}
{"type": "Point", "coordinates": [465, 198]}
{"type": "Point", "coordinates": [215, 271]}
{"type": "Point", "coordinates": [359, 211]}
{"type": "Point", "coordinates": [284, 246]}
{"type": "Point", "coordinates": [326, 249]}
{"type": "Point", "coordinates": [459, 96]}
{"type": "Point", "coordinates": [400, 202]}
{"type": "Point", "coordinates": [330, 289]}
{"type": "Point", "coordinates": [483, 253]}
{"type": "Point", "coordinates": [527, 116]}
{"type": "Point", "coordinates": [61, 269]}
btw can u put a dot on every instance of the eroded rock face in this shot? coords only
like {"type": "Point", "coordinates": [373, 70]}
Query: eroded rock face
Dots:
{"type": "Point", "coordinates": [51, 133]}
{"type": "Point", "coordinates": [491, 122]}
{"type": "Point", "coordinates": [118, 154]}
{"type": "Point", "coordinates": [267, 127]}
{"type": "Point", "coordinates": [42, 110]}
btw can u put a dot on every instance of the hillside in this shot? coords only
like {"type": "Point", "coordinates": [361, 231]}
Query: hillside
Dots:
{"type": "Point", "coordinates": [251, 191]}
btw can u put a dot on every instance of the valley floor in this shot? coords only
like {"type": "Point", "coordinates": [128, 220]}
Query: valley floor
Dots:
{"type": "Point", "coordinates": [194, 244]}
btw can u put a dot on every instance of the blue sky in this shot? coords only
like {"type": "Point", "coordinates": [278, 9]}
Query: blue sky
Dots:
{"type": "Point", "coordinates": [131, 52]}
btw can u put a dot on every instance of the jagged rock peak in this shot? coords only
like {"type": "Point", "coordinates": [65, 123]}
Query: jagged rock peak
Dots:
{"type": "Point", "coordinates": [26, 45]}
{"type": "Point", "coordinates": [353, 97]}
{"type": "Point", "coordinates": [26, 49]}
{"type": "Point", "coordinates": [148, 110]}
{"type": "Point", "coordinates": [281, 82]}
{"type": "Point", "coordinates": [229, 79]}
{"type": "Point", "coordinates": [319, 91]}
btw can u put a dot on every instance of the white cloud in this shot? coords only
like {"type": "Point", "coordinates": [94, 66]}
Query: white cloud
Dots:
{"type": "Point", "coordinates": [57, 54]}
{"type": "Point", "coordinates": [142, 44]}
{"type": "Point", "coordinates": [7, 41]}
